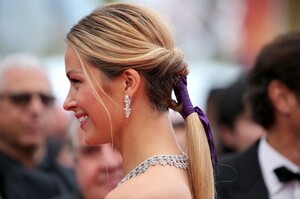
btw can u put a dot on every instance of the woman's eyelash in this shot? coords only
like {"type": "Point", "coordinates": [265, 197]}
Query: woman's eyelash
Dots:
{"type": "Point", "coordinates": [74, 81]}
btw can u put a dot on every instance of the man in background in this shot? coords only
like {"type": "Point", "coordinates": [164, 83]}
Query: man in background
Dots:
{"type": "Point", "coordinates": [26, 102]}
{"type": "Point", "coordinates": [236, 128]}
{"type": "Point", "coordinates": [269, 169]}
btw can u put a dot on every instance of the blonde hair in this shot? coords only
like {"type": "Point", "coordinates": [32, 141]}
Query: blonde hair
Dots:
{"type": "Point", "coordinates": [123, 36]}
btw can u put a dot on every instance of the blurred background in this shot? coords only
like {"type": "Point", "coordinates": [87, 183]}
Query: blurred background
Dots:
{"type": "Point", "coordinates": [219, 38]}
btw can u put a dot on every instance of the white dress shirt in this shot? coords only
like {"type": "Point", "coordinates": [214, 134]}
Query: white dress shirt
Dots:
{"type": "Point", "coordinates": [269, 160]}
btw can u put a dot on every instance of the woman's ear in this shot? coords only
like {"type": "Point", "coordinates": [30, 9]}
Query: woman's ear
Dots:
{"type": "Point", "coordinates": [131, 81]}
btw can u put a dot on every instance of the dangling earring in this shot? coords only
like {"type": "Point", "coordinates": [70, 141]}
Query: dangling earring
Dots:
{"type": "Point", "coordinates": [127, 108]}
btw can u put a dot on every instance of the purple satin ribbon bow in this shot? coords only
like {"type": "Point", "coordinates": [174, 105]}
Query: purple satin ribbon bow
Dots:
{"type": "Point", "coordinates": [183, 98]}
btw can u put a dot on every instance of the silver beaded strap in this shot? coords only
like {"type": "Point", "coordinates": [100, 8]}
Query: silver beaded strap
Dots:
{"type": "Point", "coordinates": [179, 161]}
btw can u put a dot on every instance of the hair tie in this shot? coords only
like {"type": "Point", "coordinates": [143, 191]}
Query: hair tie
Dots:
{"type": "Point", "coordinates": [182, 95]}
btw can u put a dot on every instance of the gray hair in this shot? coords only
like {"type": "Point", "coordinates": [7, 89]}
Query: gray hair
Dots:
{"type": "Point", "coordinates": [20, 60]}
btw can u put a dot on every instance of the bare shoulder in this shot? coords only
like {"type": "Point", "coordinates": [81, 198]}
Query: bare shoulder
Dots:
{"type": "Point", "coordinates": [156, 183]}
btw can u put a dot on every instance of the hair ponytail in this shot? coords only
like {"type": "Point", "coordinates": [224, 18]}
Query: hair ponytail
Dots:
{"type": "Point", "coordinates": [200, 146]}
{"type": "Point", "coordinates": [200, 168]}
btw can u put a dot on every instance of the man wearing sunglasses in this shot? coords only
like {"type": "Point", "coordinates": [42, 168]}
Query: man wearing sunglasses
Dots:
{"type": "Point", "coordinates": [26, 102]}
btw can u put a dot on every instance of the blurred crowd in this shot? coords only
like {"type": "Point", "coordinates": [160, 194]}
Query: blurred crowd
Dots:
{"type": "Point", "coordinates": [42, 150]}
{"type": "Point", "coordinates": [254, 120]}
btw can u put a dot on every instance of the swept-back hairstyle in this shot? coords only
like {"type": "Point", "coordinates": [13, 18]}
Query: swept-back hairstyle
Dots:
{"type": "Point", "coordinates": [278, 60]}
{"type": "Point", "coordinates": [123, 36]}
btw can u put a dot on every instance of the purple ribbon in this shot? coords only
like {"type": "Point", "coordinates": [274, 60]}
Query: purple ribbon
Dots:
{"type": "Point", "coordinates": [182, 95]}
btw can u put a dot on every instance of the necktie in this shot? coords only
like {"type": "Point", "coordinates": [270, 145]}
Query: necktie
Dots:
{"type": "Point", "coordinates": [285, 175]}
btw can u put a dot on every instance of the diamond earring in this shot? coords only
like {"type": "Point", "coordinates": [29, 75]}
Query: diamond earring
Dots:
{"type": "Point", "coordinates": [127, 108]}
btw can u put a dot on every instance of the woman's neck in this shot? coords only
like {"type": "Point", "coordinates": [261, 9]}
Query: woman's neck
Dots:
{"type": "Point", "coordinates": [148, 137]}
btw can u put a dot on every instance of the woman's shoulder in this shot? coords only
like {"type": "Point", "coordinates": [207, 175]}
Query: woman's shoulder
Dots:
{"type": "Point", "coordinates": [165, 182]}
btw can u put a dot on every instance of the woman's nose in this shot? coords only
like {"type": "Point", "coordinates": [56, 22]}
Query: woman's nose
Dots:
{"type": "Point", "coordinates": [70, 104]}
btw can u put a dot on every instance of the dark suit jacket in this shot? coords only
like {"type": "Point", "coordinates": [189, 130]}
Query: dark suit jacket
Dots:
{"type": "Point", "coordinates": [18, 182]}
{"type": "Point", "coordinates": [239, 176]}
{"type": "Point", "coordinates": [70, 196]}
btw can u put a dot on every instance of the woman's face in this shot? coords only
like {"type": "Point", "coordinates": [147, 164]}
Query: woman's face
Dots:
{"type": "Point", "coordinates": [94, 117]}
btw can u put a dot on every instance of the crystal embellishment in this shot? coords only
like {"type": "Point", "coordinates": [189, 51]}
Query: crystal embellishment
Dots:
{"type": "Point", "coordinates": [127, 108]}
{"type": "Point", "coordinates": [178, 161]}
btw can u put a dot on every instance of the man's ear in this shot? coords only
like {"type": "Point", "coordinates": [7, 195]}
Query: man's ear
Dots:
{"type": "Point", "coordinates": [282, 98]}
{"type": "Point", "coordinates": [131, 81]}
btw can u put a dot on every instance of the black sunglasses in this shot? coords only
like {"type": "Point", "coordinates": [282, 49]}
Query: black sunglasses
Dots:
{"type": "Point", "coordinates": [23, 99]}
